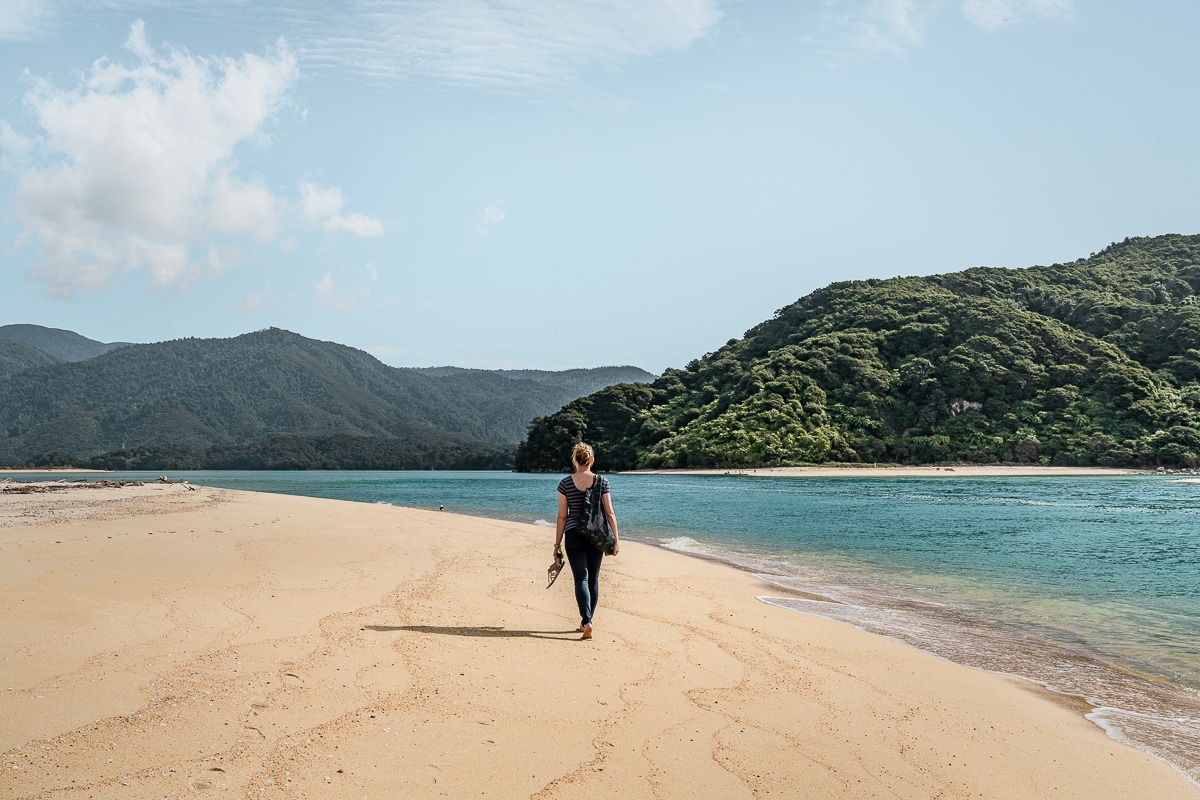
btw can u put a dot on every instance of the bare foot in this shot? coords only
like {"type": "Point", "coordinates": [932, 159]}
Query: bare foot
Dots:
{"type": "Point", "coordinates": [587, 631]}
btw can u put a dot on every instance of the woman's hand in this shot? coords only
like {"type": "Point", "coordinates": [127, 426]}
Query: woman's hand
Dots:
{"type": "Point", "coordinates": [616, 547]}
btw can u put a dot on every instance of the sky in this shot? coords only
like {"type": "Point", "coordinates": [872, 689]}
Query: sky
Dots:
{"type": "Point", "coordinates": [552, 184]}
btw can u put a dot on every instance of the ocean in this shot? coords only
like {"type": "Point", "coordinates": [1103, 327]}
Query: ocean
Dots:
{"type": "Point", "coordinates": [1089, 586]}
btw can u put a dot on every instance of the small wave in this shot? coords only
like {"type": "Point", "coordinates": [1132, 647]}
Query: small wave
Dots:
{"type": "Point", "coordinates": [1100, 717]}
{"type": "Point", "coordinates": [751, 562]}
{"type": "Point", "coordinates": [543, 523]}
{"type": "Point", "coordinates": [805, 597]}
{"type": "Point", "coordinates": [685, 544]}
{"type": "Point", "coordinates": [1171, 738]}
{"type": "Point", "coordinates": [693, 547]}
{"type": "Point", "coordinates": [806, 589]}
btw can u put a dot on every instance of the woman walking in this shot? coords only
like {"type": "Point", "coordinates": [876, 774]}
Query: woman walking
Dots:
{"type": "Point", "coordinates": [583, 558]}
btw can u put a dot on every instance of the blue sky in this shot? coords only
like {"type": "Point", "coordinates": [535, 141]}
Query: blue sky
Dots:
{"type": "Point", "coordinates": [552, 184]}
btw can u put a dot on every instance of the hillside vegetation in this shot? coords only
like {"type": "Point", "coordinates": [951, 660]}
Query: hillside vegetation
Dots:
{"type": "Point", "coordinates": [63, 345]}
{"type": "Point", "coordinates": [1095, 362]}
{"type": "Point", "coordinates": [298, 451]}
{"type": "Point", "coordinates": [200, 394]}
{"type": "Point", "coordinates": [17, 357]}
{"type": "Point", "coordinates": [575, 382]}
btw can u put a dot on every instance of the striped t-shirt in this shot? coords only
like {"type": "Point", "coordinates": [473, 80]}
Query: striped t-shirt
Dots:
{"type": "Point", "coordinates": [575, 499]}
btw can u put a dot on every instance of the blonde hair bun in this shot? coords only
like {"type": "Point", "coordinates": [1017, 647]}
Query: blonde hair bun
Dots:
{"type": "Point", "coordinates": [583, 455]}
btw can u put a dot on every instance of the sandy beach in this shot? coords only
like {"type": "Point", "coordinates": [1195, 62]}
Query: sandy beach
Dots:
{"type": "Point", "coordinates": [173, 641]}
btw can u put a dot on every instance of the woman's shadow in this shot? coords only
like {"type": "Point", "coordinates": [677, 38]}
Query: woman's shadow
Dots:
{"type": "Point", "coordinates": [480, 631]}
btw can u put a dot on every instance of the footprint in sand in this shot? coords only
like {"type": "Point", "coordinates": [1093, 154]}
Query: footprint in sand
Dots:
{"type": "Point", "coordinates": [201, 782]}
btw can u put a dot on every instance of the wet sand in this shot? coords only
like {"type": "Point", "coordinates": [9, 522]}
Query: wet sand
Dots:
{"type": "Point", "coordinates": [162, 642]}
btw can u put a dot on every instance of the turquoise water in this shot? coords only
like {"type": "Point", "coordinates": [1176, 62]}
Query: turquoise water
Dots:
{"type": "Point", "coordinates": [1088, 585]}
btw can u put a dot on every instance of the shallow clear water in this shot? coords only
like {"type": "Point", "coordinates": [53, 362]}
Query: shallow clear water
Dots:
{"type": "Point", "coordinates": [1089, 585]}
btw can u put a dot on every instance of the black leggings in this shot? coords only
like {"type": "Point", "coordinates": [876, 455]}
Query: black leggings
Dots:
{"type": "Point", "coordinates": [585, 566]}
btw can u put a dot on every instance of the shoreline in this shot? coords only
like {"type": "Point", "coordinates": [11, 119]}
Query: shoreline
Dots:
{"type": "Point", "coordinates": [279, 645]}
{"type": "Point", "coordinates": [844, 471]}
{"type": "Point", "coordinates": [38, 470]}
{"type": "Point", "coordinates": [904, 471]}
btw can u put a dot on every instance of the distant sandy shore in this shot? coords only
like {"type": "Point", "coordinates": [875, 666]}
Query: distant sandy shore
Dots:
{"type": "Point", "coordinates": [897, 470]}
{"type": "Point", "coordinates": [158, 641]}
{"type": "Point", "coordinates": [67, 470]}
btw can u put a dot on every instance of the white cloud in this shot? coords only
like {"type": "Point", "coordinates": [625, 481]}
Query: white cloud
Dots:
{"type": "Point", "coordinates": [134, 169]}
{"type": "Point", "coordinates": [317, 204]}
{"type": "Point", "coordinates": [22, 20]}
{"type": "Point", "coordinates": [324, 286]}
{"type": "Point", "coordinates": [138, 164]}
{"type": "Point", "coordinates": [990, 14]}
{"type": "Point", "coordinates": [509, 42]}
{"type": "Point", "coordinates": [889, 25]}
{"type": "Point", "coordinates": [330, 296]}
{"type": "Point", "coordinates": [238, 207]}
{"type": "Point", "coordinates": [490, 42]}
{"type": "Point", "coordinates": [323, 207]}
{"type": "Point", "coordinates": [993, 15]}
{"type": "Point", "coordinates": [14, 148]}
{"type": "Point", "coordinates": [256, 301]}
{"type": "Point", "coordinates": [218, 261]}
{"type": "Point", "coordinates": [492, 215]}
{"type": "Point", "coordinates": [893, 26]}
{"type": "Point", "coordinates": [357, 223]}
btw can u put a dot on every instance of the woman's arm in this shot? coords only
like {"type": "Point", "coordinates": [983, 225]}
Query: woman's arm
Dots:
{"type": "Point", "coordinates": [562, 522]}
{"type": "Point", "coordinates": [612, 522]}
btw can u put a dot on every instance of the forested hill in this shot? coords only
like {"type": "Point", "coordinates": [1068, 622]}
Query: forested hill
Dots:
{"type": "Point", "coordinates": [17, 357]}
{"type": "Point", "coordinates": [203, 393]}
{"type": "Point", "coordinates": [576, 382]}
{"type": "Point", "coordinates": [62, 345]}
{"type": "Point", "coordinates": [1095, 362]}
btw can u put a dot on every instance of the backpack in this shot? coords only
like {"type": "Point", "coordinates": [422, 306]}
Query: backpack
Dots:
{"type": "Point", "coordinates": [593, 525]}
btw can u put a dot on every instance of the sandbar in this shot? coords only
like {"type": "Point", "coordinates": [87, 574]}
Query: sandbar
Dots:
{"type": "Point", "coordinates": [166, 641]}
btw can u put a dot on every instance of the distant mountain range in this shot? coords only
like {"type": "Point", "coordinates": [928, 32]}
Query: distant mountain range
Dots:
{"type": "Point", "coordinates": [270, 397]}
{"type": "Point", "coordinates": [1092, 362]}
{"type": "Point", "coordinates": [62, 345]}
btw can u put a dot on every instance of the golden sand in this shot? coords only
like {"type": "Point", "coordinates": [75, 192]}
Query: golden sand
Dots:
{"type": "Point", "coordinates": [160, 642]}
